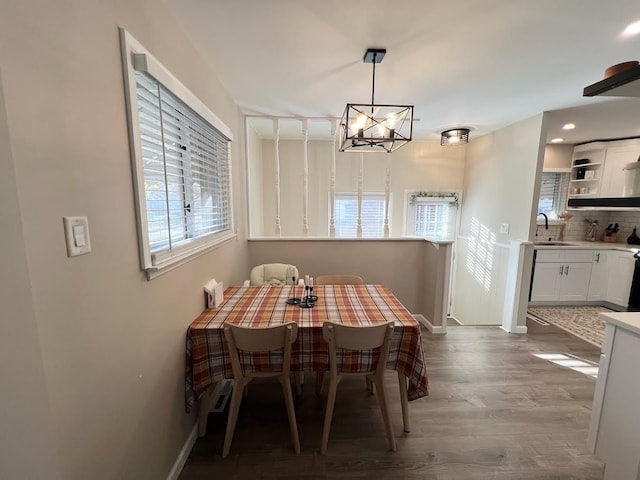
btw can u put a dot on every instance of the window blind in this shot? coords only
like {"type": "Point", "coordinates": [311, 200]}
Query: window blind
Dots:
{"type": "Point", "coordinates": [434, 219]}
{"type": "Point", "coordinates": [186, 169]}
{"type": "Point", "coordinates": [553, 193]}
{"type": "Point", "coordinates": [346, 215]}
{"type": "Point", "coordinates": [432, 214]}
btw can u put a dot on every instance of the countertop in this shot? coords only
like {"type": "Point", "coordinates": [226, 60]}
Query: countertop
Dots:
{"type": "Point", "coordinates": [583, 245]}
{"type": "Point", "coordinates": [627, 320]}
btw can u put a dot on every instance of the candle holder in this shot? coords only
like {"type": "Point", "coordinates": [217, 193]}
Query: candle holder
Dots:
{"type": "Point", "coordinates": [312, 298]}
{"type": "Point", "coordinates": [306, 301]}
{"type": "Point", "coordinates": [293, 300]}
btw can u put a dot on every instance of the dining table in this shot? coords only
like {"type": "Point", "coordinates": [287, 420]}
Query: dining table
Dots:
{"type": "Point", "coordinates": [207, 356]}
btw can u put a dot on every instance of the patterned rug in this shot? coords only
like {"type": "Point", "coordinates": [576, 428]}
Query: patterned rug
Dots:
{"type": "Point", "coordinates": [583, 322]}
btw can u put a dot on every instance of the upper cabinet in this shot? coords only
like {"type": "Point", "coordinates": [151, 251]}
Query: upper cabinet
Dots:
{"type": "Point", "coordinates": [613, 176]}
{"type": "Point", "coordinates": [587, 169]}
{"type": "Point", "coordinates": [597, 171]}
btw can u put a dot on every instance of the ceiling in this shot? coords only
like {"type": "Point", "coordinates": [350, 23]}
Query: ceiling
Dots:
{"type": "Point", "coordinates": [479, 63]}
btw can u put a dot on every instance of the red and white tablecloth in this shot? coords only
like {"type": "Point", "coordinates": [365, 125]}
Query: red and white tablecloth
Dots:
{"type": "Point", "coordinates": [207, 358]}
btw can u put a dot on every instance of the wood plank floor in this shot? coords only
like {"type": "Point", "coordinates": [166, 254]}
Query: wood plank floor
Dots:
{"type": "Point", "coordinates": [495, 411]}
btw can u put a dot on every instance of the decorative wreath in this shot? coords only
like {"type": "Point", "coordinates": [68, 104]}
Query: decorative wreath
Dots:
{"type": "Point", "coordinates": [413, 196]}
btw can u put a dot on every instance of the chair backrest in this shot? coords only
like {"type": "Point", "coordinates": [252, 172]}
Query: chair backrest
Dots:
{"type": "Point", "coordinates": [260, 340]}
{"type": "Point", "coordinates": [273, 274]}
{"type": "Point", "coordinates": [357, 338]}
{"type": "Point", "coordinates": [339, 280]}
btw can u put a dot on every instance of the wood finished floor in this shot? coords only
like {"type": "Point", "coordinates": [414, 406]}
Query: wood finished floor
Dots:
{"type": "Point", "coordinates": [495, 411]}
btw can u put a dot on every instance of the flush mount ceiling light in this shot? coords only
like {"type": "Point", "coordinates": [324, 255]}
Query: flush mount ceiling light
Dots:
{"type": "Point", "coordinates": [375, 127]}
{"type": "Point", "coordinates": [455, 136]}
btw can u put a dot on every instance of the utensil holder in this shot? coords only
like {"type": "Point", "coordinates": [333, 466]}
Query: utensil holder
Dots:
{"type": "Point", "coordinates": [610, 238]}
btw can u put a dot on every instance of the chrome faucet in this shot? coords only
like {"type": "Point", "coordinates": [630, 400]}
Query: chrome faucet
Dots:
{"type": "Point", "coordinates": [546, 222]}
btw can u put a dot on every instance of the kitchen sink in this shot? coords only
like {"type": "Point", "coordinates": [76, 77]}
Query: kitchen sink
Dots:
{"type": "Point", "coordinates": [555, 244]}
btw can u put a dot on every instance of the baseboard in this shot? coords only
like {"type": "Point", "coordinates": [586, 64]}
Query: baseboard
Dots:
{"type": "Point", "coordinates": [435, 329]}
{"type": "Point", "coordinates": [519, 329]}
{"type": "Point", "coordinates": [184, 454]}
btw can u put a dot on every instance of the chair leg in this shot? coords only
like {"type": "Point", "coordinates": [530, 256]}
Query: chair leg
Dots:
{"type": "Point", "coordinates": [288, 400]}
{"type": "Point", "coordinates": [383, 402]}
{"type": "Point", "coordinates": [331, 400]}
{"type": "Point", "coordinates": [404, 401]}
{"type": "Point", "coordinates": [236, 399]}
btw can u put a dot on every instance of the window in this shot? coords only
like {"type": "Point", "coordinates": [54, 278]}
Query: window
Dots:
{"type": "Point", "coordinates": [345, 213]}
{"type": "Point", "coordinates": [431, 214]}
{"type": "Point", "coordinates": [181, 165]}
{"type": "Point", "coordinates": [553, 193]}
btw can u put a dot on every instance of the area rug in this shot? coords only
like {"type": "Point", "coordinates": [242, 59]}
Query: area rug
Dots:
{"type": "Point", "coordinates": [581, 321]}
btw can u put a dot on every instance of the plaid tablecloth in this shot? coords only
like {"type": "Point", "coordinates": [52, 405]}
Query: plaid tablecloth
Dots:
{"type": "Point", "coordinates": [207, 358]}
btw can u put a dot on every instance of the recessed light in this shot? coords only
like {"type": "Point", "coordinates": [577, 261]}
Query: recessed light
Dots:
{"type": "Point", "coordinates": [569, 126]}
{"type": "Point", "coordinates": [632, 29]}
{"type": "Point", "coordinates": [557, 140]}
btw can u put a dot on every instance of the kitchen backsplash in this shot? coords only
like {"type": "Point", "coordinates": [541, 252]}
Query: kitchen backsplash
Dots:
{"type": "Point", "coordinates": [576, 227]}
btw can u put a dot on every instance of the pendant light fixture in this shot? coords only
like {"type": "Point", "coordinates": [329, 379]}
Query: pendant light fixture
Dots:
{"type": "Point", "coordinates": [375, 127]}
{"type": "Point", "coordinates": [455, 136]}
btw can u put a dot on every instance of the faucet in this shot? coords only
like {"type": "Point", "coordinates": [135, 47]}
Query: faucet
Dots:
{"type": "Point", "coordinates": [546, 221]}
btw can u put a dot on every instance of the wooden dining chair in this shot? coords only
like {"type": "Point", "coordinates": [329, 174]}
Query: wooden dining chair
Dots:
{"type": "Point", "coordinates": [257, 340]}
{"type": "Point", "coordinates": [339, 280]}
{"type": "Point", "coordinates": [346, 337]}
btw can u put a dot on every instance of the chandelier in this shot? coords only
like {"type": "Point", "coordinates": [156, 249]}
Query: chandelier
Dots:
{"type": "Point", "coordinates": [375, 127]}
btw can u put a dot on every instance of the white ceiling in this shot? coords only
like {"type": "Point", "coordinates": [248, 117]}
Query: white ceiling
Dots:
{"type": "Point", "coordinates": [478, 63]}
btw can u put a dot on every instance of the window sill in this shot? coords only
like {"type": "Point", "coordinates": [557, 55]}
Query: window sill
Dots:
{"type": "Point", "coordinates": [186, 254]}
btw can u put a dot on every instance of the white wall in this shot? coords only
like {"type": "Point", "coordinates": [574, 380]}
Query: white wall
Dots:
{"type": "Point", "coordinates": [100, 349]}
{"type": "Point", "coordinates": [501, 181]}
{"type": "Point", "coordinates": [27, 449]}
{"type": "Point", "coordinates": [420, 165]}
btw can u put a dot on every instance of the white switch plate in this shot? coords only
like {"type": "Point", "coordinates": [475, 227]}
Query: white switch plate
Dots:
{"type": "Point", "coordinates": [504, 228]}
{"type": "Point", "coordinates": [76, 231]}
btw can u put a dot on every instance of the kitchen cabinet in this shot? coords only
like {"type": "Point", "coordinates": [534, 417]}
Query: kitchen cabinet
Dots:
{"type": "Point", "coordinates": [586, 170]}
{"type": "Point", "coordinates": [613, 176]}
{"type": "Point", "coordinates": [599, 280]}
{"type": "Point", "coordinates": [597, 168]}
{"type": "Point", "coordinates": [561, 275]}
{"type": "Point", "coordinates": [621, 266]}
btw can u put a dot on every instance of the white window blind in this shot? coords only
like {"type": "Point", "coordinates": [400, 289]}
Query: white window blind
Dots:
{"type": "Point", "coordinates": [346, 215]}
{"type": "Point", "coordinates": [186, 169]}
{"type": "Point", "coordinates": [553, 193]}
{"type": "Point", "coordinates": [432, 215]}
{"type": "Point", "coordinates": [181, 160]}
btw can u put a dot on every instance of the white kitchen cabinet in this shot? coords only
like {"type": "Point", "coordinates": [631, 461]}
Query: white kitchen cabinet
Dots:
{"type": "Point", "coordinates": [596, 168]}
{"type": "Point", "coordinates": [621, 266]}
{"type": "Point", "coordinates": [599, 276]}
{"type": "Point", "coordinates": [561, 275]}
{"type": "Point", "coordinates": [586, 170]}
{"type": "Point", "coordinates": [612, 183]}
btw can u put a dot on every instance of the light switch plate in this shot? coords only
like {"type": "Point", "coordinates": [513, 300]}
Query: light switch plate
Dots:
{"type": "Point", "coordinates": [504, 228]}
{"type": "Point", "coordinates": [76, 231]}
